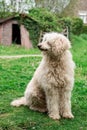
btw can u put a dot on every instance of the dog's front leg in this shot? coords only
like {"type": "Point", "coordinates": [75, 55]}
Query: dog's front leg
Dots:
{"type": "Point", "coordinates": [52, 99]}
{"type": "Point", "coordinates": [65, 104]}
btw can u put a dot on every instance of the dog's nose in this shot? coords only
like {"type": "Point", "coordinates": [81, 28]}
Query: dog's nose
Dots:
{"type": "Point", "coordinates": [39, 46]}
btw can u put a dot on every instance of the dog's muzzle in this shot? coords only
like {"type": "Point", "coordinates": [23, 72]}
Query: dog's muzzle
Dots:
{"type": "Point", "coordinates": [39, 46]}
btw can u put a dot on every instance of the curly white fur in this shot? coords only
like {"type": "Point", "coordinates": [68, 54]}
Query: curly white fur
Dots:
{"type": "Point", "coordinates": [52, 83]}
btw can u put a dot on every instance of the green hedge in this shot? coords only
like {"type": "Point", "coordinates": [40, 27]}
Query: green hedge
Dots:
{"type": "Point", "coordinates": [75, 25]}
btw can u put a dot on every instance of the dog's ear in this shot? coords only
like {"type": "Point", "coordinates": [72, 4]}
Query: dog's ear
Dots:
{"type": "Point", "coordinates": [62, 44]}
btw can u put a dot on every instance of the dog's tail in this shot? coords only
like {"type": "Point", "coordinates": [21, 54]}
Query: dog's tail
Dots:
{"type": "Point", "coordinates": [19, 102]}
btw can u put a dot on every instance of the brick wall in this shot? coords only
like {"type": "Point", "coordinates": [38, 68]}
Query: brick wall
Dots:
{"type": "Point", "coordinates": [25, 40]}
{"type": "Point", "coordinates": [1, 30]}
{"type": "Point", "coordinates": [7, 33]}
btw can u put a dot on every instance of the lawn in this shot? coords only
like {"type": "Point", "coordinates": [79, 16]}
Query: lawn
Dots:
{"type": "Point", "coordinates": [17, 50]}
{"type": "Point", "coordinates": [14, 76]}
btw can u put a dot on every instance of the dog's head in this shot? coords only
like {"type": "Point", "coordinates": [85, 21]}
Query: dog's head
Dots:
{"type": "Point", "coordinates": [54, 44]}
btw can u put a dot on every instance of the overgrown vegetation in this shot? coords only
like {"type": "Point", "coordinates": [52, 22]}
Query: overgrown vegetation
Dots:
{"type": "Point", "coordinates": [34, 30]}
{"type": "Point", "coordinates": [43, 20]}
{"type": "Point", "coordinates": [40, 20]}
{"type": "Point", "coordinates": [73, 24]}
{"type": "Point", "coordinates": [14, 76]}
{"type": "Point", "coordinates": [47, 21]}
{"type": "Point", "coordinates": [77, 26]}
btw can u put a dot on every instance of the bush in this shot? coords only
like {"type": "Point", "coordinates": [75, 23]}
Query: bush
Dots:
{"type": "Point", "coordinates": [46, 20]}
{"type": "Point", "coordinates": [65, 22]}
{"type": "Point", "coordinates": [77, 25]}
{"type": "Point", "coordinates": [84, 29]}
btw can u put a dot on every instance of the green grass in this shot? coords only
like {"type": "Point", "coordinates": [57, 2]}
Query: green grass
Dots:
{"type": "Point", "coordinates": [17, 50]}
{"type": "Point", "coordinates": [14, 76]}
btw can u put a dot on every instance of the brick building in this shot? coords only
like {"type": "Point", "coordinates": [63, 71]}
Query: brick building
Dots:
{"type": "Point", "coordinates": [12, 32]}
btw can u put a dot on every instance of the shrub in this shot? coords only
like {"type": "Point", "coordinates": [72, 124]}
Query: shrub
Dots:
{"type": "Point", "coordinates": [46, 20]}
{"type": "Point", "coordinates": [65, 22]}
{"type": "Point", "coordinates": [84, 29]}
{"type": "Point", "coordinates": [77, 25]}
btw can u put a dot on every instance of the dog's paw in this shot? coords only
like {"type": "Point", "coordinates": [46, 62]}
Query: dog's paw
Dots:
{"type": "Point", "coordinates": [19, 102]}
{"type": "Point", "coordinates": [15, 103]}
{"type": "Point", "coordinates": [54, 117]}
{"type": "Point", "coordinates": [68, 115]}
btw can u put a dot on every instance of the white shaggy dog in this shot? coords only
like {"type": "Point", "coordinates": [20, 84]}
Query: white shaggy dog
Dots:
{"type": "Point", "coordinates": [52, 83]}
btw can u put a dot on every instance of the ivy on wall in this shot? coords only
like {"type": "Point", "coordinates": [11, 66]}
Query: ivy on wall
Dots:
{"type": "Point", "coordinates": [34, 30]}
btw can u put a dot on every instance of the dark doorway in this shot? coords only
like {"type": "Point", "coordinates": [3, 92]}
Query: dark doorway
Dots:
{"type": "Point", "coordinates": [16, 34]}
